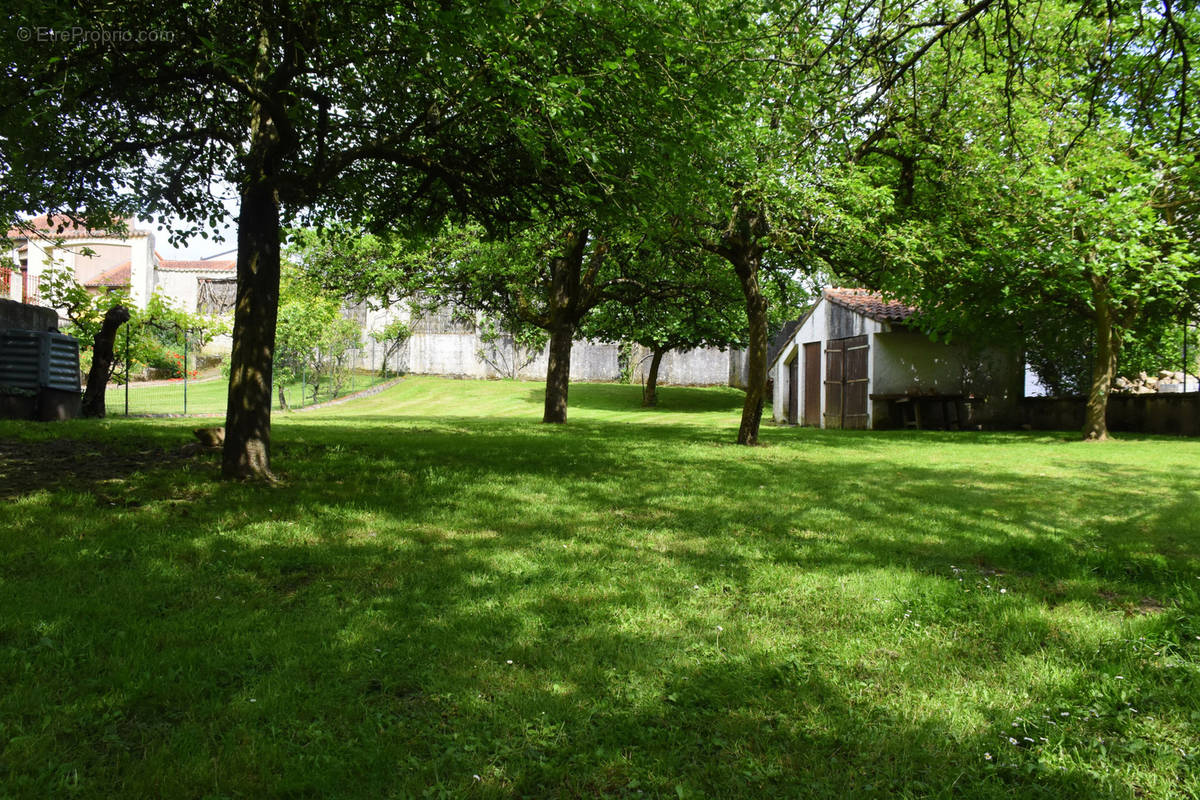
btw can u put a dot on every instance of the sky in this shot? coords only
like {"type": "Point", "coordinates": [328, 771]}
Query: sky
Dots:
{"type": "Point", "coordinates": [218, 241]}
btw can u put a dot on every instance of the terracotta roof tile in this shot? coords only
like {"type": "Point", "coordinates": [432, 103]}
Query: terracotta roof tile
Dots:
{"type": "Point", "coordinates": [871, 304]}
{"type": "Point", "coordinates": [116, 277]}
{"type": "Point", "coordinates": [199, 265]}
{"type": "Point", "coordinates": [60, 225]}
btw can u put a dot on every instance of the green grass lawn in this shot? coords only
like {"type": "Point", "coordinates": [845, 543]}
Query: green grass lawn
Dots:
{"type": "Point", "coordinates": [208, 396]}
{"type": "Point", "coordinates": [447, 598]}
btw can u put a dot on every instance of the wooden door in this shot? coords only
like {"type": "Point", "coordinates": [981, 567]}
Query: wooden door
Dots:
{"type": "Point", "coordinates": [812, 384]}
{"type": "Point", "coordinates": [793, 401]}
{"type": "Point", "coordinates": [834, 380]}
{"type": "Point", "coordinates": [846, 382]}
{"type": "Point", "coordinates": [854, 408]}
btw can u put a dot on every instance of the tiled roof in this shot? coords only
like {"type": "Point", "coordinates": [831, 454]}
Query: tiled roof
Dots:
{"type": "Point", "coordinates": [871, 304]}
{"type": "Point", "coordinates": [199, 265]}
{"type": "Point", "coordinates": [116, 277]}
{"type": "Point", "coordinates": [60, 225]}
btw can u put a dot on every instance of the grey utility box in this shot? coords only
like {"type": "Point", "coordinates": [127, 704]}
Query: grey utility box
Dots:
{"type": "Point", "coordinates": [43, 368]}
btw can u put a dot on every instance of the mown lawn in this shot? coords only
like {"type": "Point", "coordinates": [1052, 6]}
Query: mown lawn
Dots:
{"type": "Point", "coordinates": [447, 598]}
{"type": "Point", "coordinates": [208, 396]}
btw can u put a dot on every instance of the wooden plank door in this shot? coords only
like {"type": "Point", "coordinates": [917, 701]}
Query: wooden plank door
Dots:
{"type": "Point", "coordinates": [793, 401]}
{"type": "Point", "coordinates": [854, 393]}
{"type": "Point", "coordinates": [812, 384]}
{"type": "Point", "coordinates": [834, 381]}
{"type": "Point", "coordinates": [846, 382]}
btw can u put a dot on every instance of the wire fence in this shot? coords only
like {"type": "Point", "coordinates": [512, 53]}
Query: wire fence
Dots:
{"type": "Point", "coordinates": [197, 384]}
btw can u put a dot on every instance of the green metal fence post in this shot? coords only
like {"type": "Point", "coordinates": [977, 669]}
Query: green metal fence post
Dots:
{"type": "Point", "coordinates": [127, 370]}
{"type": "Point", "coordinates": [185, 371]}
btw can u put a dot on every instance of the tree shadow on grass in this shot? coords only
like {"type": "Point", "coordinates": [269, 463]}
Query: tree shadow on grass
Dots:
{"type": "Point", "coordinates": [624, 397]}
{"type": "Point", "coordinates": [417, 607]}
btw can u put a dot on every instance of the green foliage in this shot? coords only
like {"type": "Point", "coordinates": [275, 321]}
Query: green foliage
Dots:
{"type": "Point", "coordinates": [509, 347]}
{"type": "Point", "coordinates": [156, 336]}
{"type": "Point", "coordinates": [313, 339]}
{"type": "Point", "coordinates": [393, 337]}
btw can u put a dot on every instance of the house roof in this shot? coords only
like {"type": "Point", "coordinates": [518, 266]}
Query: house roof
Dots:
{"type": "Point", "coordinates": [201, 265]}
{"type": "Point", "coordinates": [61, 226]}
{"type": "Point", "coordinates": [861, 301]}
{"type": "Point", "coordinates": [116, 277]}
{"type": "Point", "coordinates": [871, 304]}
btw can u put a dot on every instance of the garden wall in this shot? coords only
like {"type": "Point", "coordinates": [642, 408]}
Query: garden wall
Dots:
{"type": "Point", "coordinates": [1170, 413]}
{"type": "Point", "coordinates": [26, 317]}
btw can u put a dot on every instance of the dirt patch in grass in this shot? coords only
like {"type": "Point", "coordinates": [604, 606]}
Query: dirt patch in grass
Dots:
{"type": "Point", "coordinates": [76, 464]}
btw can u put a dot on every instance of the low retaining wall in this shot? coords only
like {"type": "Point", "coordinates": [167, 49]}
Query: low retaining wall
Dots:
{"type": "Point", "coordinates": [26, 317]}
{"type": "Point", "coordinates": [1170, 413]}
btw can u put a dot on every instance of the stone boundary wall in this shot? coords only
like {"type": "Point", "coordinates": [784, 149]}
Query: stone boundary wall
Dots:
{"type": "Point", "coordinates": [1176, 413]}
{"type": "Point", "coordinates": [458, 355]}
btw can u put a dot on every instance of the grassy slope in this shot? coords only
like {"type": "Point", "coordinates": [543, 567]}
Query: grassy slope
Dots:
{"type": "Point", "coordinates": [447, 597]}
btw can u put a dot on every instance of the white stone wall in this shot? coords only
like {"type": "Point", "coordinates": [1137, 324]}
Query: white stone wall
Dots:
{"type": "Point", "coordinates": [106, 255]}
{"type": "Point", "coordinates": [458, 354]}
{"type": "Point", "coordinates": [445, 354]}
{"type": "Point", "coordinates": [705, 366]}
{"type": "Point", "coordinates": [181, 287]}
{"type": "Point", "coordinates": [141, 271]}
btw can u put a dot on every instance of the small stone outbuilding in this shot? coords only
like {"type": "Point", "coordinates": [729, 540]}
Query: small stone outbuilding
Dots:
{"type": "Point", "coordinates": [852, 362]}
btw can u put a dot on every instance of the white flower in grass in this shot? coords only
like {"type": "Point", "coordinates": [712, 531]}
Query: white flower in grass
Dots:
{"type": "Point", "coordinates": [987, 756]}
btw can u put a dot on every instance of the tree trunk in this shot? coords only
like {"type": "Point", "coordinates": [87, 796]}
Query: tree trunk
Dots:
{"type": "Point", "coordinates": [756, 357]}
{"type": "Point", "coordinates": [247, 452]}
{"type": "Point", "coordinates": [102, 361]}
{"type": "Point", "coordinates": [1104, 365]}
{"type": "Point", "coordinates": [650, 393]}
{"type": "Point", "coordinates": [558, 373]}
{"type": "Point", "coordinates": [740, 247]}
{"type": "Point", "coordinates": [566, 273]}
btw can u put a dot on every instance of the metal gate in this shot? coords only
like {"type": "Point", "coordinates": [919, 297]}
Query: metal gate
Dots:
{"type": "Point", "coordinates": [846, 382]}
